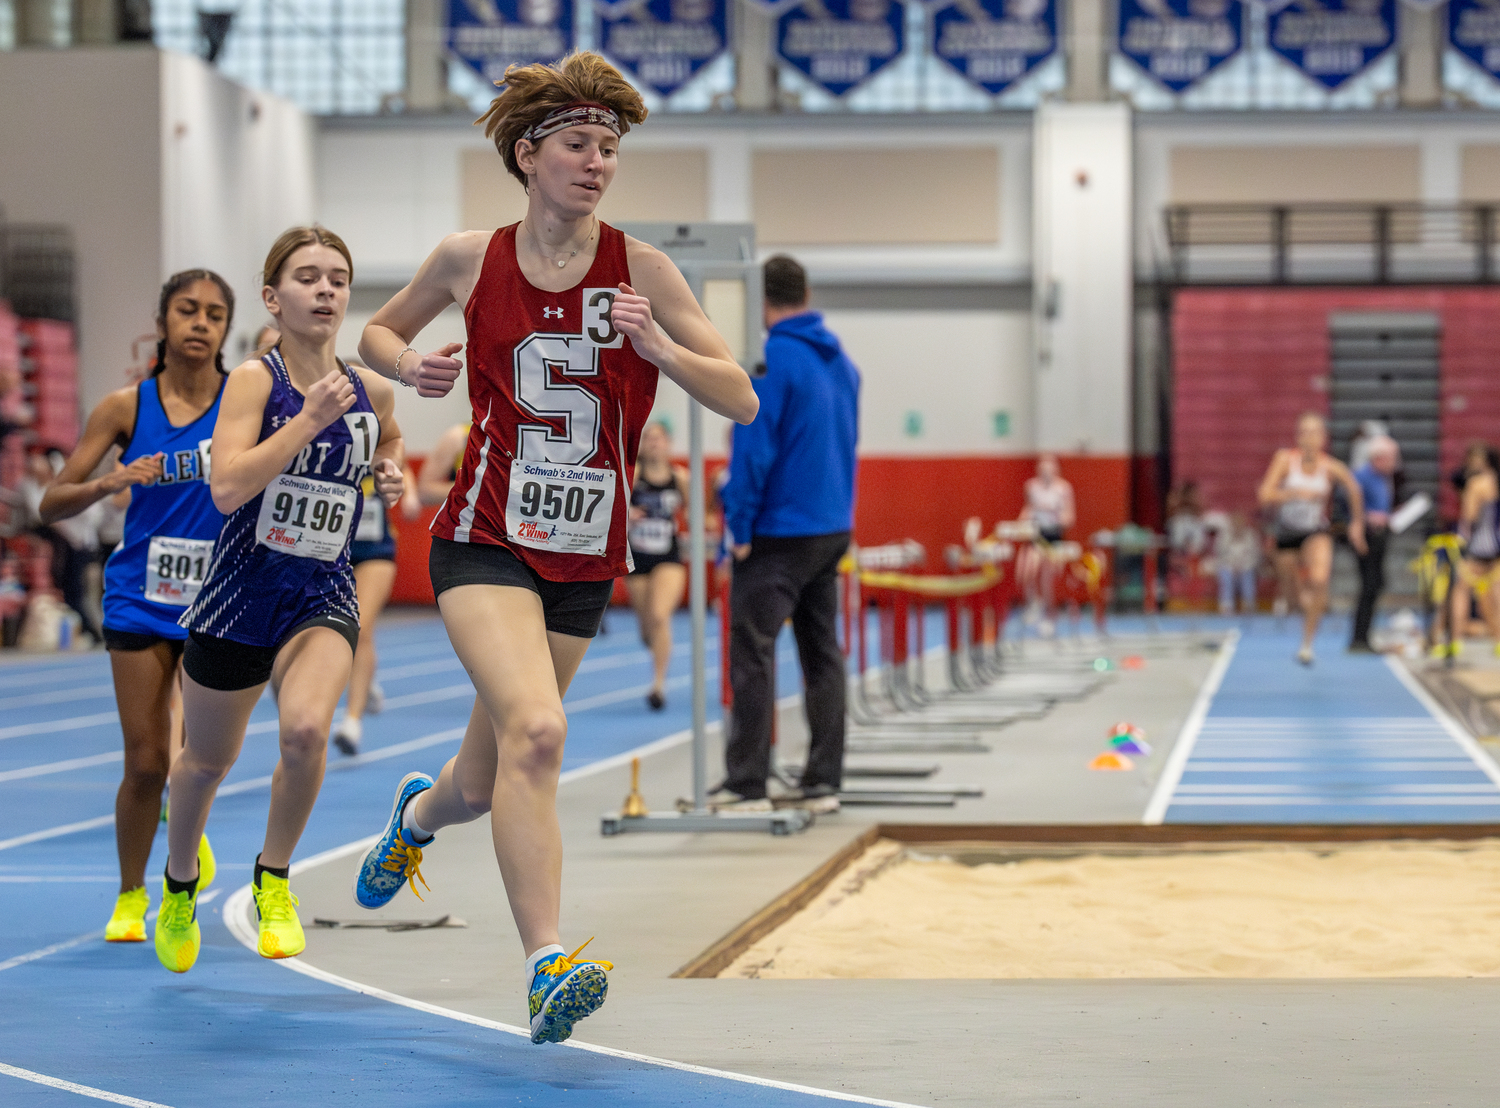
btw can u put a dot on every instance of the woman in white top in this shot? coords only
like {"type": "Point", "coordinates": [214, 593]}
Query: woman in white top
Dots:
{"type": "Point", "coordinates": [1049, 500]}
{"type": "Point", "coordinates": [1049, 507]}
{"type": "Point", "coordinates": [1296, 489]}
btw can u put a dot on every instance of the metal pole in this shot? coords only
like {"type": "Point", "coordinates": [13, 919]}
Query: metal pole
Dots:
{"type": "Point", "coordinates": [698, 602]}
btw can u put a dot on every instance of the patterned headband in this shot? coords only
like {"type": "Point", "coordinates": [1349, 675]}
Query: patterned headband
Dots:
{"type": "Point", "coordinates": [573, 115]}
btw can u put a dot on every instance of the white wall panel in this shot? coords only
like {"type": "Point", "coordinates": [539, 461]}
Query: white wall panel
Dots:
{"type": "Point", "coordinates": [1083, 277]}
{"type": "Point", "coordinates": [952, 370]}
{"type": "Point", "coordinates": [237, 171]}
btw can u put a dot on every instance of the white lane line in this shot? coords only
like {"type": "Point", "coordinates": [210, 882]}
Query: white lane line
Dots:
{"type": "Point", "coordinates": [74, 1087]}
{"type": "Point", "coordinates": [1364, 800]}
{"type": "Point", "coordinates": [1324, 765]}
{"type": "Point", "coordinates": [52, 726]}
{"type": "Point", "coordinates": [1171, 773]}
{"type": "Point", "coordinates": [62, 767]}
{"type": "Point", "coordinates": [55, 832]}
{"type": "Point", "coordinates": [68, 944]}
{"type": "Point", "coordinates": [1455, 729]}
{"type": "Point", "coordinates": [237, 919]}
{"type": "Point", "coordinates": [59, 696]}
{"type": "Point", "coordinates": [43, 677]}
{"type": "Point", "coordinates": [56, 879]}
{"type": "Point", "coordinates": [593, 664]}
{"type": "Point", "coordinates": [1267, 789]}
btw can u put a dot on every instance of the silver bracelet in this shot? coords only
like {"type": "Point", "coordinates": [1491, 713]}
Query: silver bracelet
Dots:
{"type": "Point", "coordinates": [399, 356]}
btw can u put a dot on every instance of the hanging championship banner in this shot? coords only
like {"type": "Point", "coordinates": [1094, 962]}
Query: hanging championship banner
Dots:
{"type": "Point", "coordinates": [1474, 30]}
{"type": "Point", "coordinates": [491, 35]}
{"type": "Point", "coordinates": [840, 43]}
{"type": "Point", "coordinates": [995, 43]}
{"type": "Point", "coordinates": [1333, 41]}
{"type": "Point", "coordinates": [663, 43]}
{"type": "Point", "coordinates": [1179, 42]}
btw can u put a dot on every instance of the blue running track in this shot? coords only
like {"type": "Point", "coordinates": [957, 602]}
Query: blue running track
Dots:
{"type": "Point", "coordinates": [1346, 741]}
{"type": "Point", "coordinates": [106, 1022]}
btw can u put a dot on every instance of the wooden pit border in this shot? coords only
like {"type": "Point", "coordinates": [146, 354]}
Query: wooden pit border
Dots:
{"type": "Point", "coordinates": [718, 957]}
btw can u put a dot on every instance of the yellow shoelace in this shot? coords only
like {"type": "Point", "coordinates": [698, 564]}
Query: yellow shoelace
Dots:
{"type": "Point", "coordinates": [275, 904]}
{"type": "Point", "coordinates": [559, 966]}
{"type": "Point", "coordinates": [408, 860]}
{"type": "Point", "coordinates": [176, 911]}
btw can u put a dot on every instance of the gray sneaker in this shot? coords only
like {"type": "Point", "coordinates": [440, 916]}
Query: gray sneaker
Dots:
{"type": "Point", "coordinates": [727, 800]}
{"type": "Point", "coordinates": [820, 800]}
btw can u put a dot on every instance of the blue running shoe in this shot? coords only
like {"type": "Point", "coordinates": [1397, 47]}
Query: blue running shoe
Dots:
{"type": "Point", "coordinates": [396, 856]}
{"type": "Point", "coordinates": [563, 991]}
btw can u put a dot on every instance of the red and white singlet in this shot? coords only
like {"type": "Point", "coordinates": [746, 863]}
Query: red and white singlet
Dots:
{"type": "Point", "coordinates": [559, 399]}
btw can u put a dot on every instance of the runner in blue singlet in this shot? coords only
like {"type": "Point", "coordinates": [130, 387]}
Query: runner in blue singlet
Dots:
{"type": "Point", "coordinates": [297, 434]}
{"type": "Point", "coordinates": [163, 426]}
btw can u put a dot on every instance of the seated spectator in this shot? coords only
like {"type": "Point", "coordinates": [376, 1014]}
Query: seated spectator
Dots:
{"type": "Point", "coordinates": [1237, 556]}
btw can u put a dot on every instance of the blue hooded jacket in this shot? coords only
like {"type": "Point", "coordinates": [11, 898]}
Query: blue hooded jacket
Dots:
{"type": "Point", "coordinates": [792, 470]}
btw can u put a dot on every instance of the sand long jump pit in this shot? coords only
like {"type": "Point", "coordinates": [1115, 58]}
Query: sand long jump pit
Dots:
{"type": "Point", "coordinates": [911, 901]}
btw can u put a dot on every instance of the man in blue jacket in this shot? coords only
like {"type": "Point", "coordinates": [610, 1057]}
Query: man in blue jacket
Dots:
{"type": "Point", "coordinates": [789, 509]}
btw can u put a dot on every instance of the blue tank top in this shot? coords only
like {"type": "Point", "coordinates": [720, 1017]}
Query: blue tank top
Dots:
{"type": "Point", "coordinates": [283, 556]}
{"type": "Point", "coordinates": [170, 527]}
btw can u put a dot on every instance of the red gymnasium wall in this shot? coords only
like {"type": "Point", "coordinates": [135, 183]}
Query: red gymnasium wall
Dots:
{"type": "Point", "coordinates": [922, 498]}
{"type": "Point", "coordinates": [1247, 362]}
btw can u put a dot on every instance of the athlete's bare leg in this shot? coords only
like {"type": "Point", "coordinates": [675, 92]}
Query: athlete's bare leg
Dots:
{"type": "Point", "coordinates": [372, 586]}
{"type": "Point", "coordinates": [1289, 576]}
{"type": "Point", "coordinates": [1317, 565]}
{"type": "Point", "coordinates": [145, 681]}
{"type": "Point", "coordinates": [655, 596]}
{"type": "Point", "coordinates": [214, 722]}
{"type": "Point", "coordinates": [520, 677]}
{"type": "Point", "coordinates": [1489, 604]}
{"type": "Point", "coordinates": [311, 670]}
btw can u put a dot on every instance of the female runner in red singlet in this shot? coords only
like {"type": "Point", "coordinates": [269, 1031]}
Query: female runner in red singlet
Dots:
{"type": "Point", "coordinates": [564, 352]}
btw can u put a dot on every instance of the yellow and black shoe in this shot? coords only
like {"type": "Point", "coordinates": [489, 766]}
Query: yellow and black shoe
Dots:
{"type": "Point", "coordinates": [177, 934]}
{"type": "Point", "coordinates": [207, 867]}
{"type": "Point", "coordinates": [128, 924]}
{"type": "Point", "coordinates": [280, 930]}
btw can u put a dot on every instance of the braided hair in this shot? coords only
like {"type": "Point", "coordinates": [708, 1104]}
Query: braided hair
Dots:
{"type": "Point", "coordinates": [175, 284]}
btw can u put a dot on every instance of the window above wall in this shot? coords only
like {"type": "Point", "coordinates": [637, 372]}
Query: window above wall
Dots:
{"type": "Point", "coordinates": [349, 57]}
{"type": "Point", "coordinates": [330, 57]}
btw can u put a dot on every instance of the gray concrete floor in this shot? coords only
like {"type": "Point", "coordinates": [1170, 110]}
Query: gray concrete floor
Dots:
{"type": "Point", "coordinates": [657, 901]}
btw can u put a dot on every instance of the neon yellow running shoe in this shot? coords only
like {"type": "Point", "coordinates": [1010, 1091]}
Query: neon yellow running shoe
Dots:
{"type": "Point", "coordinates": [280, 930]}
{"type": "Point", "coordinates": [207, 867]}
{"type": "Point", "coordinates": [128, 924]}
{"type": "Point", "coordinates": [177, 934]}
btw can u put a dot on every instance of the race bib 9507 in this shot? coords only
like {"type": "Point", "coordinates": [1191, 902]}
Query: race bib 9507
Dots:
{"type": "Point", "coordinates": [560, 507]}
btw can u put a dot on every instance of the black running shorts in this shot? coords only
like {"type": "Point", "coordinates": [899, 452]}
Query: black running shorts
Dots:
{"type": "Point", "coordinates": [128, 641]}
{"type": "Point", "coordinates": [229, 666]}
{"type": "Point", "coordinates": [569, 607]}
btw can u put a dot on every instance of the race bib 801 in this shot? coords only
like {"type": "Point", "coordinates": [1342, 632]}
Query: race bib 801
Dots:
{"type": "Point", "coordinates": [175, 569]}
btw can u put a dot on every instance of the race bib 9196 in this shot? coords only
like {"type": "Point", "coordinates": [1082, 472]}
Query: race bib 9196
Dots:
{"type": "Point", "coordinates": [175, 569]}
{"type": "Point", "coordinates": [305, 517]}
{"type": "Point", "coordinates": [560, 507]}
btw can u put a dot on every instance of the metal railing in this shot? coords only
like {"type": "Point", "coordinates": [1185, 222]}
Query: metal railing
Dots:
{"type": "Point", "coordinates": [1283, 244]}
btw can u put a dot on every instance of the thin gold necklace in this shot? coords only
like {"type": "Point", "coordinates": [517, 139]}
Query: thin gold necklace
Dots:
{"type": "Point", "coordinates": [561, 262]}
